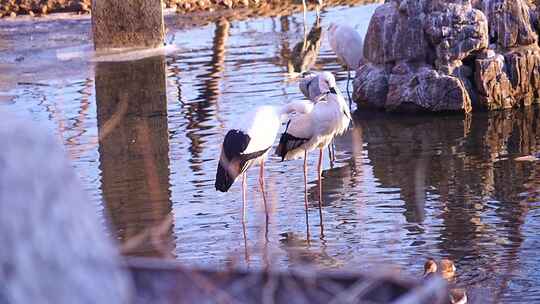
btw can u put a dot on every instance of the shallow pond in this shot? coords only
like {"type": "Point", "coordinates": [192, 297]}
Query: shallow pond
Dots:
{"type": "Point", "coordinates": [145, 135]}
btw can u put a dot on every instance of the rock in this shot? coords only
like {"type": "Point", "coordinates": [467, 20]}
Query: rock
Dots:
{"type": "Point", "coordinates": [395, 35]}
{"type": "Point", "coordinates": [508, 80]}
{"type": "Point", "coordinates": [424, 89]}
{"type": "Point", "coordinates": [456, 32]}
{"type": "Point", "coordinates": [373, 90]}
{"type": "Point", "coordinates": [54, 246]}
{"type": "Point", "coordinates": [494, 88]}
{"type": "Point", "coordinates": [523, 72]}
{"type": "Point", "coordinates": [465, 74]}
{"type": "Point", "coordinates": [509, 22]}
{"type": "Point", "coordinates": [455, 55]}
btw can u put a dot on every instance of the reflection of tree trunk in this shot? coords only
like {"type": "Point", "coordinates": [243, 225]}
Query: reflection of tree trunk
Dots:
{"type": "Point", "coordinates": [198, 111]}
{"type": "Point", "coordinates": [133, 148]}
{"type": "Point", "coordinates": [211, 91]}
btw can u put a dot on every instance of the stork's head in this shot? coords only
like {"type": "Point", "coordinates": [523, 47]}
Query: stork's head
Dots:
{"type": "Point", "coordinates": [327, 83]}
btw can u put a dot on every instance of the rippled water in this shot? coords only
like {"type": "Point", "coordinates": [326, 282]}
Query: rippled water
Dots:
{"type": "Point", "coordinates": [144, 137]}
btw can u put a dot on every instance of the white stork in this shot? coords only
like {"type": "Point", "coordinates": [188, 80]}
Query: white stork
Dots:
{"type": "Point", "coordinates": [314, 129]}
{"type": "Point", "coordinates": [309, 86]}
{"type": "Point", "coordinates": [348, 45]}
{"type": "Point", "coordinates": [249, 143]}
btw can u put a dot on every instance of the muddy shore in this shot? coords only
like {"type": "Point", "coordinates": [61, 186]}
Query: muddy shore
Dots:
{"type": "Point", "coordinates": [13, 8]}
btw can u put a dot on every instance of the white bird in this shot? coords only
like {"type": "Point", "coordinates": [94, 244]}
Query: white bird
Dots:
{"type": "Point", "coordinates": [249, 143]}
{"type": "Point", "coordinates": [309, 86]}
{"type": "Point", "coordinates": [314, 129]}
{"type": "Point", "coordinates": [348, 45]}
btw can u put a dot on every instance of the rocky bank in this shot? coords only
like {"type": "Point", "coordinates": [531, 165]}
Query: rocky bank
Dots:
{"type": "Point", "coordinates": [450, 55]}
{"type": "Point", "coordinates": [12, 8]}
{"type": "Point", "coordinates": [39, 7]}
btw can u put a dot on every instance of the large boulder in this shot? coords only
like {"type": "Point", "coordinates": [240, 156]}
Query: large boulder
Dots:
{"type": "Point", "coordinates": [458, 55]}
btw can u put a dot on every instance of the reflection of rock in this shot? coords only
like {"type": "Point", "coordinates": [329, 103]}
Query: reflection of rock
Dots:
{"type": "Point", "coordinates": [464, 161]}
{"type": "Point", "coordinates": [447, 142]}
{"type": "Point", "coordinates": [431, 55]}
{"type": "Point", "coordinates": [400, 145]}
{"type": "Point", "coordinates": [134, 151]}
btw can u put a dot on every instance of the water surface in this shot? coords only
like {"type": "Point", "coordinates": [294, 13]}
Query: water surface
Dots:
{"type": "Point", "coordinates": [144, 137]}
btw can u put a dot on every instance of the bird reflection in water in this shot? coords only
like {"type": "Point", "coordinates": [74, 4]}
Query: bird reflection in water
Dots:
{"type": "Point", "coordinates": [303, 252]}
{"type": "Point", "coordinates": [304, 54]}
{"type": "Point", "coordinates": [343, 179]}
